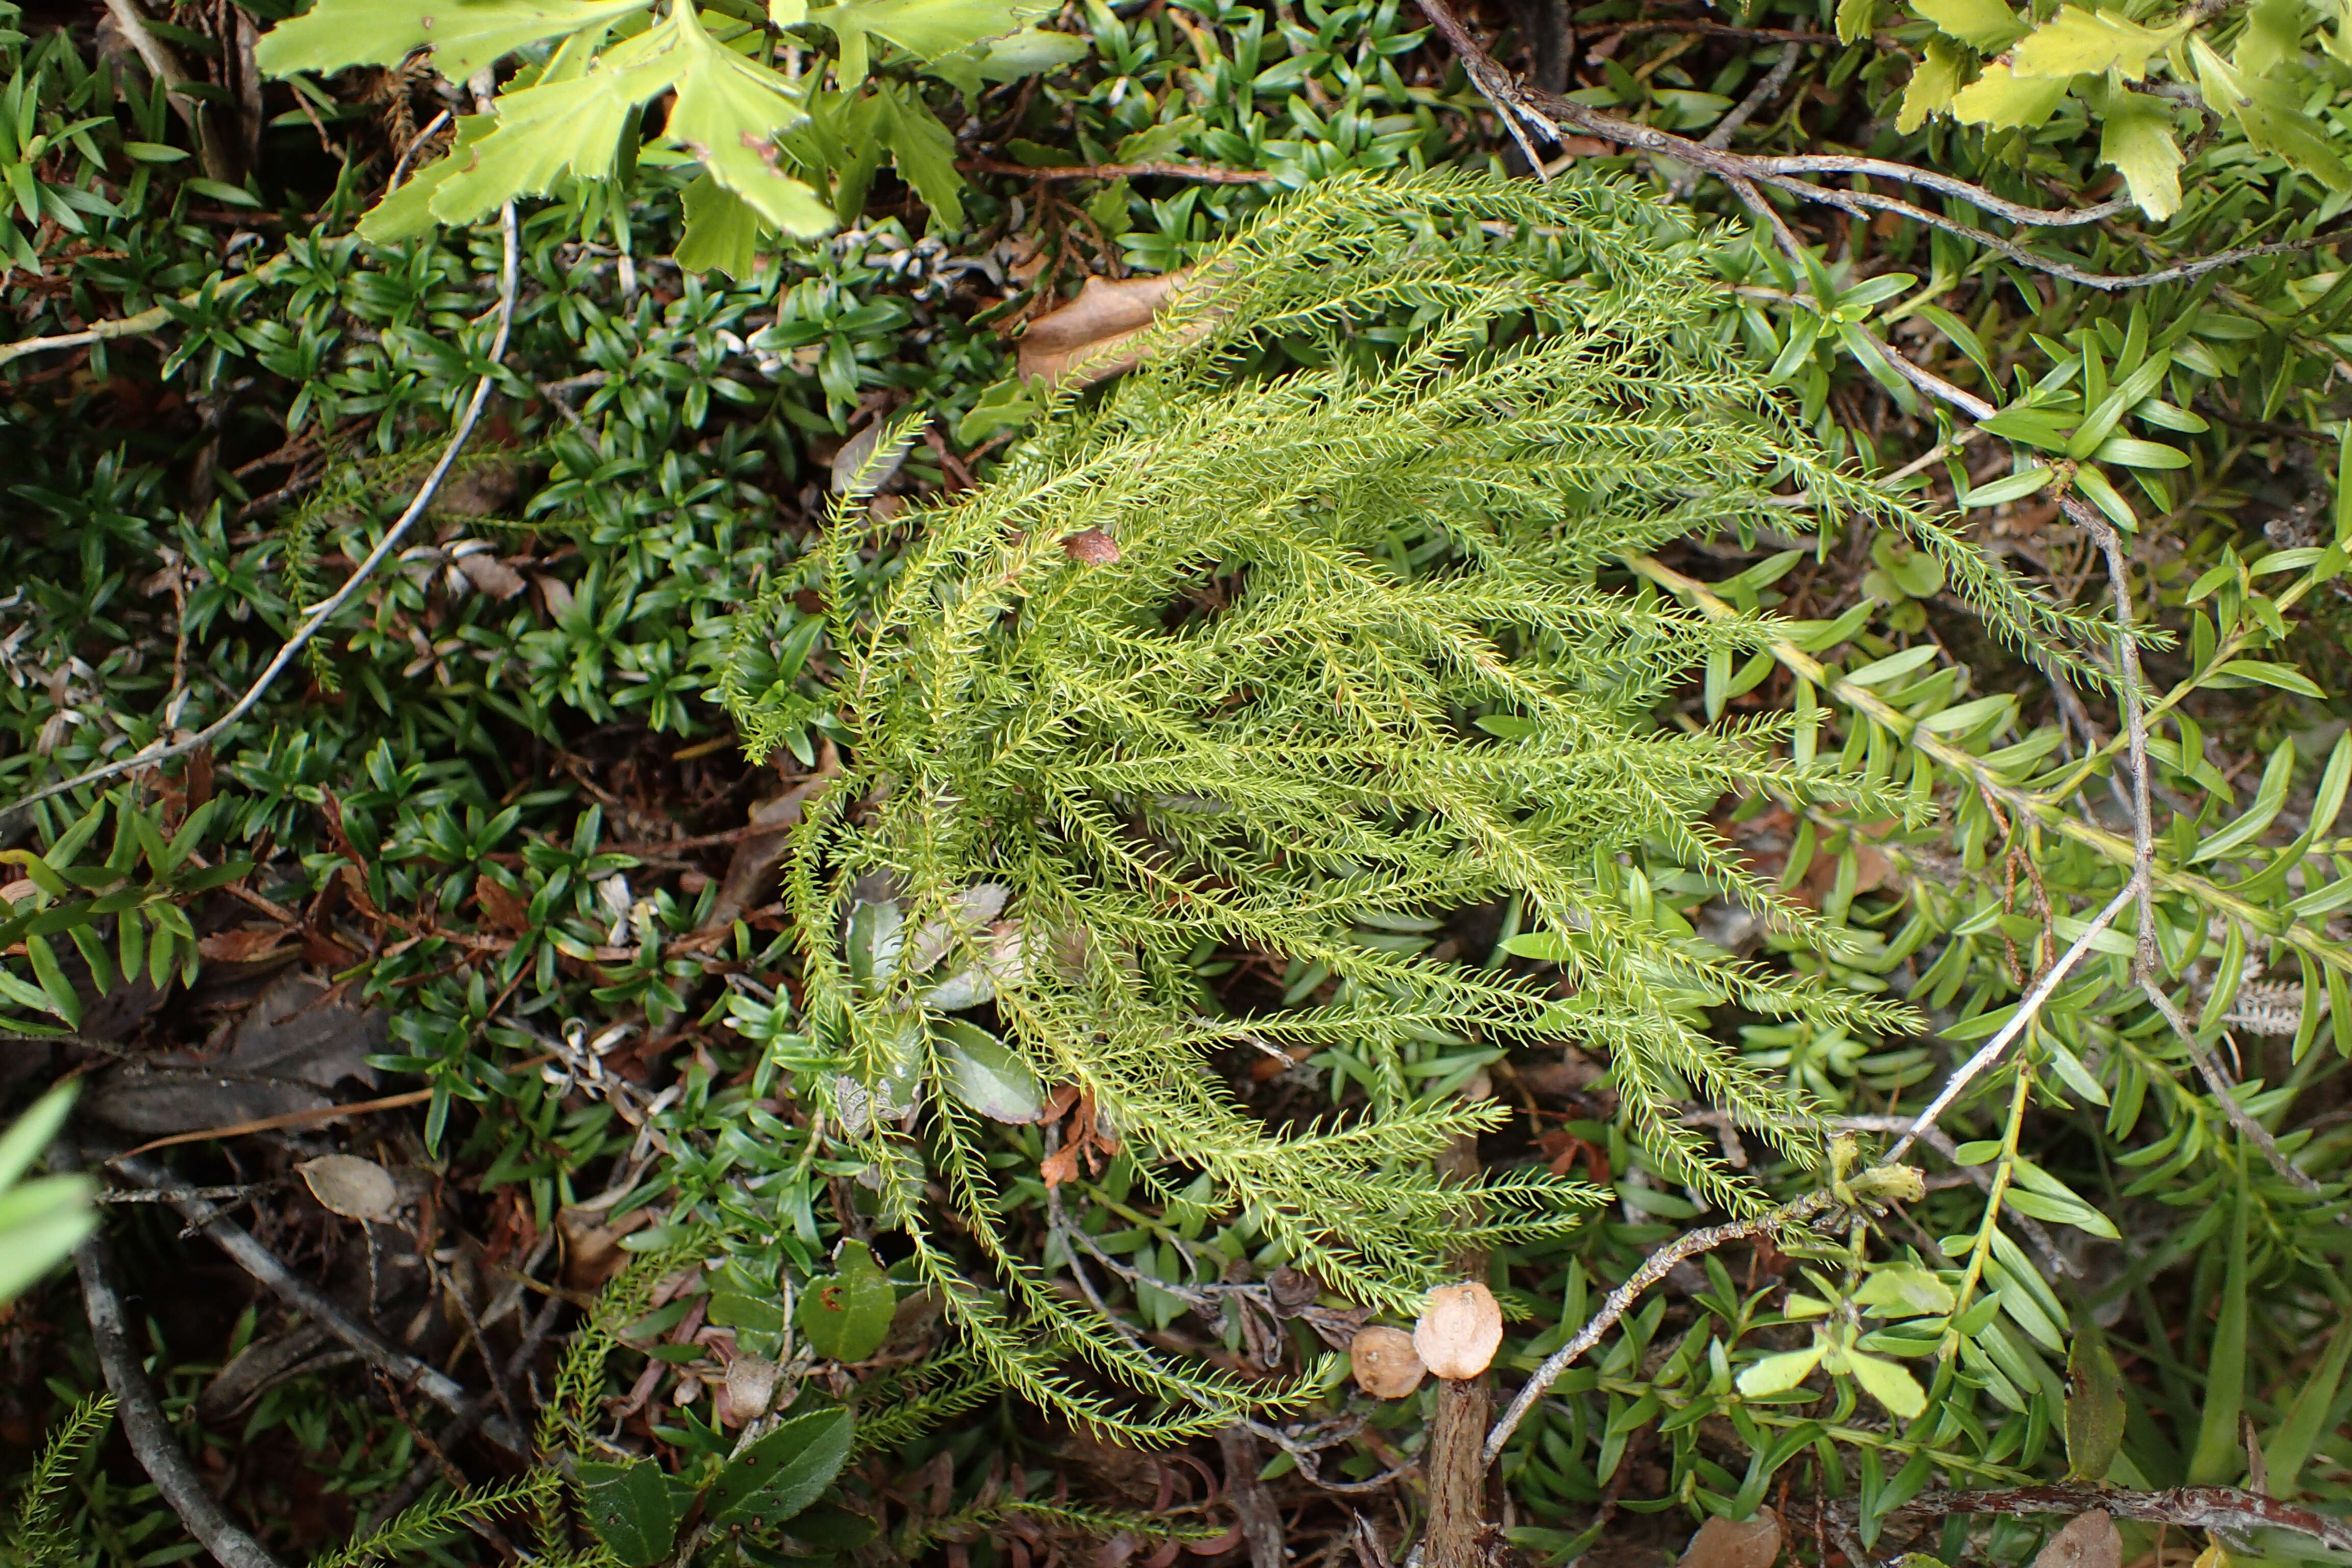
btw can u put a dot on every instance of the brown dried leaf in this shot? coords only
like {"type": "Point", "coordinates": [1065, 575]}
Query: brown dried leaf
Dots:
{"type": "Point", "coordinates": [491, 575]}
{"type": "Point", "coordinates": [592, 1249]}
{"type": "Point", "coordinates": [1736, 1543]}
{"type": "Point", "coordinates": [298, 1042]}
{"type": "Point", "coordinates": [500, 907]}
{"type": "Point", "coordinates": [1085, 339]}
{"type": "Point", "coordinates": [2089, 1540]}
{"type": "Point", "coordinates": [350, 1186]}
{"type": "Point", "coordinates": [243, 946]}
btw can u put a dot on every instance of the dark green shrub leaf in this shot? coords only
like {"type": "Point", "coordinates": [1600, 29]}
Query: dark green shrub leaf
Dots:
{"type": "Point", "coordinates": [846, 1317]}
{"type": "Point", "coordinates": [783, 1472]}
{"type": "Point", "coordinates": [633, 1508]}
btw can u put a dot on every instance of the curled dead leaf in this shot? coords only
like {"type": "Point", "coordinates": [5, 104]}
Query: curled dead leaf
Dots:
{"type": "Point", "coordinates": [1292, 1290]}
{"type": "Point", "coordinates": [1091, 547]}
{"type": "Point", "coordinates": [350, 1186]}
{"type": "Point", "coordinates": [1736, 1543]}
{"type": "Point", "coordinates": [1088, 338]}
{"type": "Point", "coordinates": [1385, 1364]}
{"type": "Point", "coordinates": [2088, 1541]}
{"type": "Point", "coordinates": [749, 1389]}
{"type": "Point", "coordinates": [242, 947]}
{"type": "Point", "coordinates": [491, 575]}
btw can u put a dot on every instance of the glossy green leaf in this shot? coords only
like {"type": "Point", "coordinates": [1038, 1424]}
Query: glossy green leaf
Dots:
{"type": "Point", "coordinates": [2269, 800]}
{"type": "Point", "coordinates": [2012, 488]}
{"type": "Point", "coordinates": [2284, 676]}
{"type": "Point", "coordinates": [2291, 1448]}
{"type": "Point", "coordinates": [846, 1316]}
{"type": "Point", "coordinates": [783, 1473]}
{"type": "Point", "coordinates": [2219, 1458]}
{"type": "Point", "coordinates": [2094, 1406]}
{"type": "Point", "coordinates": [986, 1074]}
{"type": "Point", "coordinates": [634, 1508]}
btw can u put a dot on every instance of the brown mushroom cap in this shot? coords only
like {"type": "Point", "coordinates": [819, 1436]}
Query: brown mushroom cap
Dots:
{"type": "Point", "coordinates": [1385, 1364]}
{"type": "Point", "coordinates": [1461, 1328]}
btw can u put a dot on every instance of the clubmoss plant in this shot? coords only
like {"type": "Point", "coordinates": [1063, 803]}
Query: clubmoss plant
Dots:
{"type": "Point", "coordinates": [1238, 653]}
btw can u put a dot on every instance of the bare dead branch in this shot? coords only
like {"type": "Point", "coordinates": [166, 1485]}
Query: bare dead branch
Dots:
{"type": "Point", "coordinates": [257, 1261]}
{"type": "Point", "coordinates": [151, 1435]}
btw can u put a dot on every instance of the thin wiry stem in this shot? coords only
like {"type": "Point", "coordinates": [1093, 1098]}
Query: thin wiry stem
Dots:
{"type": "Point", "coordinates": [1522, 107]}
{"type": "Point", "coordinates": [1653, 1269]}
{"type": "Point", "coordinates": [509, 275]}
{"type": "Point", "coordinates": [2208, 1068]}
{"type": "Point", "coordinates": [2027, 1011]}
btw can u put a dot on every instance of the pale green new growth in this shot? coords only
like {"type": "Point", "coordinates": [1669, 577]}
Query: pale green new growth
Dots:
{"type": "Point", "coordinates": [34, 1539]}
{"type": "Point", "coordinates": [1350, 660]}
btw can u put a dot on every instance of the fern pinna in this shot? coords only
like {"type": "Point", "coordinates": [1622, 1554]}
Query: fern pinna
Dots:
{"type": "Point", "coordinates": [1294, 627]}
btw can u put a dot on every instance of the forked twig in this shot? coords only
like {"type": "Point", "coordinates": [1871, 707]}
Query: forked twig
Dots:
{"type": "Point", "coordinates": [1654, 1268]}
{"type": "Point", "coordinates": [1523, 107]}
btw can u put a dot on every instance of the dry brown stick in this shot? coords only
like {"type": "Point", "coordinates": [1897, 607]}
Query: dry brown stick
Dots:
{"type": "Point", "coordinates": [316, 1113]}
{"type": "Point", "coordinates": [1200, 171]}
{"type": "Point", "coordinates": [1519, 105]}
{"type": "Point", "coordinates": [1261, 1521]}
{"type": "Point", "coordinates": [150, 1434]}
{"type": "Point", "coordinates": [2210, 1070]}
{"type": "Point", "coordinates": [461, 1425]}
{"type": "Point", "coordinates": [257, 1261]}
{"type": "Point", "coordinates": [2192, 1508]}
{"type": "Point", "coordinates": [1653, 1269]}
{"type": "Point", "coordinates": [1458, 1473]}
{"type": "Point", "coordinates": [1454, 1458]}
{"type": "Point", "coordinates": [166, 67]}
